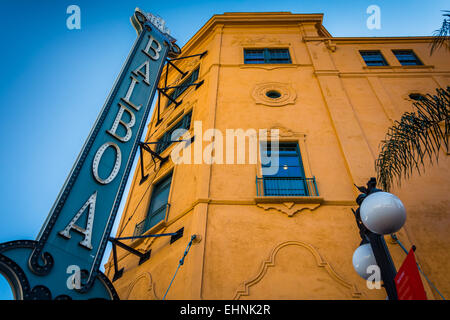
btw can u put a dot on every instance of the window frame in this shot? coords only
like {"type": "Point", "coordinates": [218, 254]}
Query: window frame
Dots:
{"type": "Point", "coordinates": [289, 181]}
{"type": "Point", "coordinates": [148, 217]}
{"type": "Point", "coordinates": [298, 155]}
{"type": "Point", "coordinates": [383, 59]}
{"type": "Point", "coordinates": [417, 60]}
{"type": "Point", "coordinates": [165, 138]}
{"type": "Point", "coordinates": [179, 91]}
{"type": "Point", "coordinates": [267, 56]}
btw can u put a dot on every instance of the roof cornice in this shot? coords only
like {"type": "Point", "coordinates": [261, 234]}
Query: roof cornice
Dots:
{"type": "Point", "coordinates": [382, 39]}
{"type": "Point", "coordinates": [243, 18]}
{"type": "Point", "coordinates": [286, 18]}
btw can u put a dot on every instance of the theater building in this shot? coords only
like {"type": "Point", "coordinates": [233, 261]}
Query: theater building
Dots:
{"type": "Point", "coordinates": [290, 235]}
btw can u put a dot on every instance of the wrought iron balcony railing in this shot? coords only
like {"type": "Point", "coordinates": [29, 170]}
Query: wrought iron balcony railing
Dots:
{"type": "Point", "coordinates": [139, 228]}
{"type": "Point", "coordinates": [286, 186]}
{"type": "Point", "coordinates": [144, 225]}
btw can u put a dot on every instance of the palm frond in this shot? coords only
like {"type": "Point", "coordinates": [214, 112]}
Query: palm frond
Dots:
{"type": "Point", "coordinates": [441, 36]}
{"type": "Point", "coordinates": [416, 137]}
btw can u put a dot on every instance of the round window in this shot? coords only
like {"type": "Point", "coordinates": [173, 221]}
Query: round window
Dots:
{"type": "Point", "coordinates": [272, 94]}
{"type": "Point", "coordinates": [417, 96]}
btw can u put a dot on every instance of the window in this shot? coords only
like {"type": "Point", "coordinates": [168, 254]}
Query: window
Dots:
{"type": "Point", "coordinates": [158, 203]}
{"type": "Point", "coordinates": [289, 163]}
{"type": "Point", "coordinates": [417, 96]}
{"type": "Point", "coordinates": [407, 58]}
{"type": "Point", "coordinates": [183, 86]}
{"type": "Point", "coordinates": [290, 179]}
{"type": "Point", "coordinates": [274, 56]}
{"type": "Point", "coordinates": [166, 140]}
{"type": "Point", "coordinates": [273, 94]}
{"type": "Point", "coordinates": [373, 58]}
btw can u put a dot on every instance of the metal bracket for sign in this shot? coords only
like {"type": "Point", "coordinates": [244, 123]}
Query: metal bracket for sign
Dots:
{"type": "Point", "coordinates": [201, 55]}
{"type": "Point", "coordinates": [163, 90]}
{"type": "Point", "coordinates": [170, 63]}
{"type": "Point", "coordinates": [145, 146]}
{"type": "Point", "coordinates": [174, 236]}
{"type": "Point", "coordinates": [196, 84]}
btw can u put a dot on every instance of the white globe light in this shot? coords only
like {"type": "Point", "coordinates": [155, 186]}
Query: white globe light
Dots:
{"type": "Point", "coordinates": [383, 213]}
{"type": "Point", "coordinates": [363, 257]}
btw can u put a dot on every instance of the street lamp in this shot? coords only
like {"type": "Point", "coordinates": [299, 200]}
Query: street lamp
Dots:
{"type": "Point", "coordinates": [379, 213]}
{"type": "Point", "coordinates": [363, 258]}
{"type": "Point", "coordinates": [383, 213]}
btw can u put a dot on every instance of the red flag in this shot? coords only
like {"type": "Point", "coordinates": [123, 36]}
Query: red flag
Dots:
{"type": "Point", "coordinates": [408, 282]}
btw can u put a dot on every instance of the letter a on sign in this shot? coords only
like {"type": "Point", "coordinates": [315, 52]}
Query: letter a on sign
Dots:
{"type": "Point", "coordinates": [87, 231]}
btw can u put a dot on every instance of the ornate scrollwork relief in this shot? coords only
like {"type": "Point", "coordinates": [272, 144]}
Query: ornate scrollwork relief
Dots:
{"type": "Point", "coordinates": [284, 132]}
{"type": "Point", "coordinates": [283, 94]}
{"type": "Point", "coordinates": [244, 290]}
{"type": "Point", "coordinates": [258, 40]}
{"type": "Point", "coordinates": [289, 208]}
{"type": "Point", "coordinates": [142, 287]}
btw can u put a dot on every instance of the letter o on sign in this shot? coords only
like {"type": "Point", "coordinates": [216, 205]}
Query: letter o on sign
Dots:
{"type": "Point", "coordinates": [98, 157]}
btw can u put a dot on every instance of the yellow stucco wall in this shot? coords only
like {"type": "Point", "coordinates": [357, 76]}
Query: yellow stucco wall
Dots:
{"type": "Point", "coordinates": [339, 110]}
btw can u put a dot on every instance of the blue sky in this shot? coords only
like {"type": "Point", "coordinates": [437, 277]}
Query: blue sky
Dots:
{"type": "Point", "coordinates": [54, 80]}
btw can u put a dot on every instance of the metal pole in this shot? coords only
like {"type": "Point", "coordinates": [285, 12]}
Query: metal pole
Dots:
{"type": "Point", "coordinates": [384, 261]}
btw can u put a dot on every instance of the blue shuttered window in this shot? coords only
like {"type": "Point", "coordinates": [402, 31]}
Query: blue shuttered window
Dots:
{"type": "Point", "coordinates": [273, 56]}
{"type": "Point", "coordinates": [407, 58]}
{"type": "Point", "coordinates": [373, 58]}
{"type": "Point", "coordinates": [290, 178]}
{"type": "Point", "coordinates": [166, 140]}
{"type": "Point", "coordinates": [158, 203]}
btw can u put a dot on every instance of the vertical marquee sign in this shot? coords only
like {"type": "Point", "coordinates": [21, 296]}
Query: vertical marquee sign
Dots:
{"type": "Point", "coordinates": [76, 232]}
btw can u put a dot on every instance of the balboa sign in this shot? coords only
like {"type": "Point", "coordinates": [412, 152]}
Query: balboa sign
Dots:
{"type": "Point", "coordinates": [79, 224]}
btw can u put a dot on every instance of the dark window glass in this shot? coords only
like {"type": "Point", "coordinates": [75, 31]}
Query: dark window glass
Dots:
{"type": "Point", "coordinates": [254, 56]}
{"type": "Point", "coordinates": [158, 203]}
{"type": "Point", "coordinates": [373, 58]}
{"type": "Point", "coordinates": [290, 164]}
{"type": "Point", "coordinates": [273, 94]}
{"type": "Point", "coordinates": [279, 56]}
{"type": "Point", "coordinates": [290, 177]}
{"type": "Point", "coordinates": [166, 140]}
{"type": "Point", "coordinates": [407, 58]}
{"type": "Point", "coordinates": [183, 86]}
{"type": "Point", "coordinates": [273, 56]}
{"type": "Point", "coordinates": [417, 96]}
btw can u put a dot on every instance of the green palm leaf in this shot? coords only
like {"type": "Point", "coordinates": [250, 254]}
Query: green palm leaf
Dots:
{"type": "Point", "coordinates": [441, 36]}
{"type": "Point", "coordinates": [416, 137]}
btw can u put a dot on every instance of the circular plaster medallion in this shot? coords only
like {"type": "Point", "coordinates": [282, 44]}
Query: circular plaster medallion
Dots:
{"type": "Point", "coordinates": [274, 94]}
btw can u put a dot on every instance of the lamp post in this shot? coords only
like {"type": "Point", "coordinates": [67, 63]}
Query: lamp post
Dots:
{"type": "Point", "coordinates": [379, 213]}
